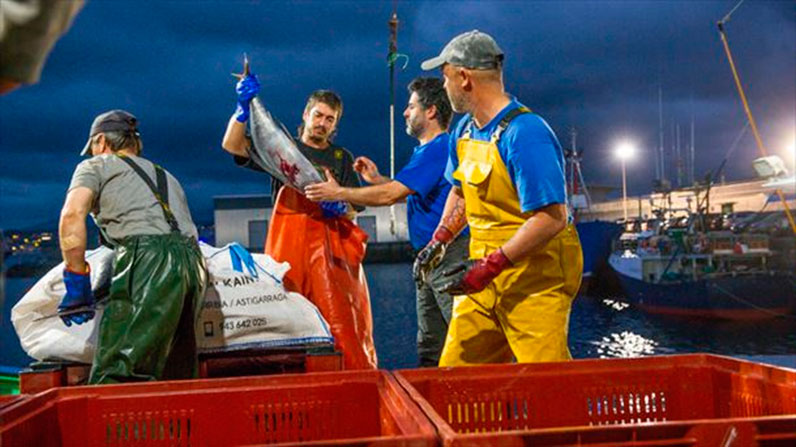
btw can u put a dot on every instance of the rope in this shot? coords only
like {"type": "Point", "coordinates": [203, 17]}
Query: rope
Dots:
{"type": "Point", "coordinates": [727, 17]}
{"type": "Point", "coordinates": [393, 57]}
{"type": "Point", "coordinates": [752, 305]}
{"type": "Point", "coordinates": [737, 140]}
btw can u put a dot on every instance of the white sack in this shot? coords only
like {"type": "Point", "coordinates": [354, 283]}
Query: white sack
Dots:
{"type": "Point", "coordinates": [239, 310]}
{"type": "Point", "coordinates": [50, 338]}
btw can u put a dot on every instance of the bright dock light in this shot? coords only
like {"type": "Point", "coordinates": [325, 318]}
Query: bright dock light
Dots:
{"type": "Point", "coordinates": [625, 150]}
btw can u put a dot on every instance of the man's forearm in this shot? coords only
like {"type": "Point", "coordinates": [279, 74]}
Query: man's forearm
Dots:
{"type": "Point", "coordinates": [375, 195]}
{"type": "Point", "coordinates": [235, 141]}
{"type": "Point", "coordinates": [72, 237]}
{"type": "Point", "coordinates": [380, 180]}
{"type": "Point", "coordinates": [72, 227]}
{"type": "Point", "coordinates": [453, 215]}
{"type": "Point", "coordinates": [536, 232]}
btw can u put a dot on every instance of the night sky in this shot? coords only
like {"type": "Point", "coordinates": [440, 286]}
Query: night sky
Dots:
{"type": "Point", "coordinates": [595, 66]}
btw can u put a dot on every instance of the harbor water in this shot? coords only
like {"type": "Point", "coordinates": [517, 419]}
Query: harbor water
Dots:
{"type": "Point", "coordinates": [600, 327]}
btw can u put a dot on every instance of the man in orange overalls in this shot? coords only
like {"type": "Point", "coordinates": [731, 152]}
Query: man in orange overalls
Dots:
{"type": "Point", "coordinates": [507, 169]}
{"type": "Point", "coordinates": [324, 247]}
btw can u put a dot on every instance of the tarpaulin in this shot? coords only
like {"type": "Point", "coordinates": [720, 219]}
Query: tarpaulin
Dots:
{"type": "Point", "coordinates": [325, 256]}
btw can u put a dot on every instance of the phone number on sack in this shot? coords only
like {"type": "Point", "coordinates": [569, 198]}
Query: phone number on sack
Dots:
{"type": "Point", "coordinates": [245, 301]}
{"type": "Point", "coordinates": [242, 324]}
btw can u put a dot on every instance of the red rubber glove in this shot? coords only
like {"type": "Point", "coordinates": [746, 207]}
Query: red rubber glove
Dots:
{"type": "Point", "coordinates": [474, 276]}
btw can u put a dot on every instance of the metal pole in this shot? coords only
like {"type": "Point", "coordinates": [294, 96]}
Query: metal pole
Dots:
{"type": "Point", "coordinates": [679, 156]}
{"type": "Point", "coordinates": [393, 23]}
{"type": "Point", "coordinates": [660, 132]}
{"type": "Point", "coordinates": [624, 189]}
{"type": "Point", "coordinates": [693, 150]}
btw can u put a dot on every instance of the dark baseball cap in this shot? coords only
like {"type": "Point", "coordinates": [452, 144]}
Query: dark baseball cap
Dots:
{"type": "Point", "coordinates": [111, 121]}
{"type": "Point", "coordinates": [472, 49]}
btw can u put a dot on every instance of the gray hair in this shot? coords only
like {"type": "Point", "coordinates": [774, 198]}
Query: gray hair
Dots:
{"type": "Point", "coordinates": [118, 140]}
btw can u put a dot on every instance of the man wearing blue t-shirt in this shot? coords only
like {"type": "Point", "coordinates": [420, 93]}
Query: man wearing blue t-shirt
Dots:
{"type": "Point", "coordinates": [507, 169]}
{"type": "Point", "coordinates": [422, 183]}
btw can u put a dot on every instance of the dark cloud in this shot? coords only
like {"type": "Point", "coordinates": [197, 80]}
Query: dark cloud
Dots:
{"type": "Point", "coordinates": [594, 66]}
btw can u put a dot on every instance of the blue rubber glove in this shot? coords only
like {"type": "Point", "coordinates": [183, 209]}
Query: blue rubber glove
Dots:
{"type": "Point", "coordinates": [240, 257]}
{"type": "Point", "coordinates": [333, 209]}
{"type": "Point", "coordinates": [247, 89]}
{"type": "Point", "coordinates": [78, 294]}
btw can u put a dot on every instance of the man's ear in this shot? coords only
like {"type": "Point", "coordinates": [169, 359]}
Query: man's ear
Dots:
{"type": "Point", "coordinates": [465, 78]}
{"type": "Point", "coordinates": [101, 141]}
{"type": "Point", "coordinates": [431, 112]}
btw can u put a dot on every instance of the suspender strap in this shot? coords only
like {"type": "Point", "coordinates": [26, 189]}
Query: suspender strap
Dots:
{"type": "Point", "coordinates": [468, 129]}
{"type": "Point", "coordinates": [161, 191]}
{"type": "Point", "coordinates": [163, 185]}
{"type": "Point", "coordinates": [504, 122]}
{"type": "Point", "coordinates": [104, 238]}
{"type": "Point", "coordinates": [502, 125]}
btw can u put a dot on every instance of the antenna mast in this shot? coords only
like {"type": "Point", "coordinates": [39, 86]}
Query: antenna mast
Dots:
{"type": "Point", "coordinates": [391, 57]}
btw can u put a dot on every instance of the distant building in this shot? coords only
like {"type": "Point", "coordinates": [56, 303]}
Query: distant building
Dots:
{"type": "Point", "coordinates": [245, 219]}
{"type": "Point", "coordinates": [731, 197]}
{"type": "Point", "coordinates": [600, 193]}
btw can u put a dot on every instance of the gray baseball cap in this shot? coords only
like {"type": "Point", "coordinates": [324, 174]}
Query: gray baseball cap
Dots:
{"type": "Point", "coordinates": [113, 120]}
{"type": "Point", "coordinates": [472, 49]}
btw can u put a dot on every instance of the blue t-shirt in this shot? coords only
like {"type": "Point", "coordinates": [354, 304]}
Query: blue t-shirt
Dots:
{"type": "Point", "coordinates": [424, 174]}
{"type": "Point", "coordinates": [531, 152]}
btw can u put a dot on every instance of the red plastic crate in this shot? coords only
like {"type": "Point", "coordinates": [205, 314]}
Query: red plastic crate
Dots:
{"type": "Point", "coordinates": [6, 400]}
{"type": "Point", "coordinates": [686, 400]}
{"type": "Point", "coordinates": [340, 408]}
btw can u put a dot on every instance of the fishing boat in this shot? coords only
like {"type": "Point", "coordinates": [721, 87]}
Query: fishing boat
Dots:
{"type": "Point", "coordinates": [703, 265]}
{"type": "Point", "coordinates": [672, 267]}
{"type": "Point", "coordinates": [595, 235]}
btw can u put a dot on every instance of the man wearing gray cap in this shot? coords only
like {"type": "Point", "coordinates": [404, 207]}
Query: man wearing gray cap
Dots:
{"type": "Point", "coordinates": [514, 295]}
{"type": "Point", "coordinates": [159, 274]}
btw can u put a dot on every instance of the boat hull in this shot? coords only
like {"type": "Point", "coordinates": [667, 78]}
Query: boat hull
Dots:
{"type": "Point", "coordinates": [739, 297]}
{"type": "Point", "coordinates": [595, 240]}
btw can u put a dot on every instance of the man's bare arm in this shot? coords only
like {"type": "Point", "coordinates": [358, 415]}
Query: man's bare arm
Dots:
{"type": "Point", "coordinates": [375, 195]}
{"type": "Point", "coordinates": [72, 227]}
{"type": "Point", "coordinates": [453, 216]}
{"type": "Point", "coordinates": [235, 141]}
{"type": "Point", "coordinates": [537, 231]}
{"type": "Point", "coordinates": [369, 171]}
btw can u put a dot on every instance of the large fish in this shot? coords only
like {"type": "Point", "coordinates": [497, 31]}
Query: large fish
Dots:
{"type": "Point", "coordinates": [274, 148]}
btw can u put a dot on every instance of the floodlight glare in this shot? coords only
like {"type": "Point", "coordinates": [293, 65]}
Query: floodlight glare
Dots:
{"type": "Point", "coordinates": [625, 151]}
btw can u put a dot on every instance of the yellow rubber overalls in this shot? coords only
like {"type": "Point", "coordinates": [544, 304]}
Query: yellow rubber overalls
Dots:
{"type": "Point", "coordinates": [524, 312]}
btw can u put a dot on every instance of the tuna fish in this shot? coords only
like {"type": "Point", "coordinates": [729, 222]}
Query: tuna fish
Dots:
{"type": "Point", "coordinates": [274, 148]}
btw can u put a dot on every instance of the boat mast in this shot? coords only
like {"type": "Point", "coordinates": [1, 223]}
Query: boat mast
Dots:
{"type": "Point", "coordinates": [679, 155]}
{"type": "Point", "coordinates": [573, 182]}
{"type": "Point", "coordinates": [576, 183]}
{"type": "Point", "coordinates": [693, 150]}
{"type": "Point", "coordinates": [660, 159]}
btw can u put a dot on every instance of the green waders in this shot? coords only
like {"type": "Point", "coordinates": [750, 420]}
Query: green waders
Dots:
{"type": "Point", "coordinates": [147, 328]}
